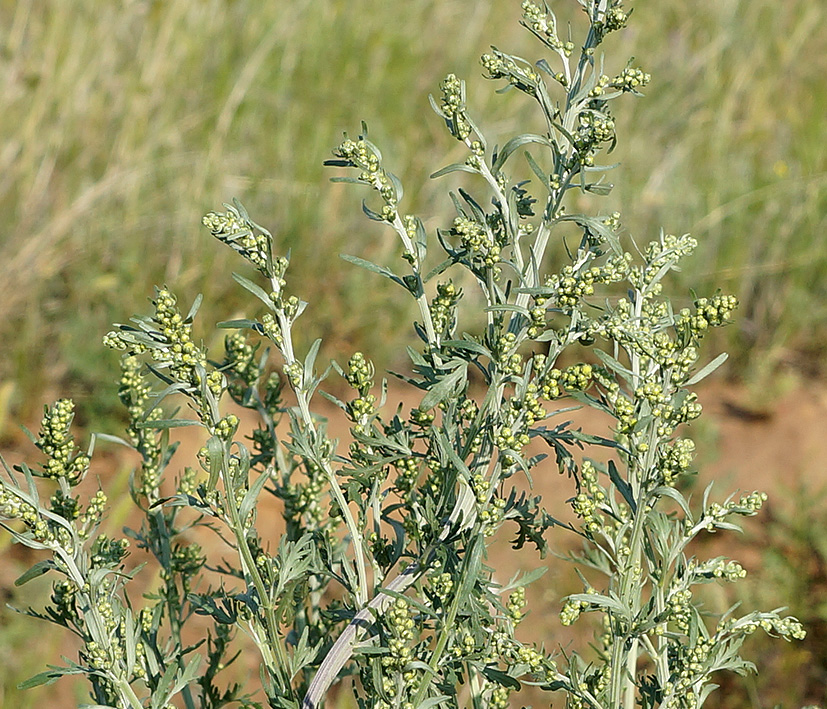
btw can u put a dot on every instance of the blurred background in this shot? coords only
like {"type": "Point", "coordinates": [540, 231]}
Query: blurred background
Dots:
{"type": "Point", "coordinates": [124, 122]}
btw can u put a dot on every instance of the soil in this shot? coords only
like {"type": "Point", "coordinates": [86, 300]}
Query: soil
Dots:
{"type": "Point", "coordinates": [779, 450]}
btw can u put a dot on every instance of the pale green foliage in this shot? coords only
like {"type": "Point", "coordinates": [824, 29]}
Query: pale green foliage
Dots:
{"type": "Point", "coordinates": [396, 527]}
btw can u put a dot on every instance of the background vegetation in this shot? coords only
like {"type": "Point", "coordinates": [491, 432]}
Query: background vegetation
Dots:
{"type": "Point", "coordinates": [124, 122]}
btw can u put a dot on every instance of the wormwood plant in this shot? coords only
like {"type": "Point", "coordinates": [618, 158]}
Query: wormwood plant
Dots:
{"type": "Point", "coordinates": [381, 573]}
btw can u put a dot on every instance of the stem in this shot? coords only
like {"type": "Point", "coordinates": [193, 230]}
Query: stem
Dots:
{"type": "Point", "coordinates": [304, 407]}
{"type": "Point", "coordinates": [448, 625]}
{"type": "Point", "coordinates": [97, 629]}
{"type": "Point", "coordinates": [421, 300]}
{"type": "Point", "coordinates": [342, 649]}
{"type": "Point", "coordinates": [277, 666]}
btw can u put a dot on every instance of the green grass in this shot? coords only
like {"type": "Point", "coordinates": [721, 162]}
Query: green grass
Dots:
{"type": "Point", "coordinates": [124, 122]}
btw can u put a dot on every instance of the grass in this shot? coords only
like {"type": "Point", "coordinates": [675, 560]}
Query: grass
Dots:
{"type": "Point", "coordinates": [124, 123]}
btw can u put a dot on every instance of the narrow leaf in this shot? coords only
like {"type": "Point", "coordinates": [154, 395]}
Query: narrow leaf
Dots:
{"type": "Point", "coordinates": [40, 568]}
{"type": "Point", "coordinates": [256, 290]}
{"type": "Point", "coordinates": [708, 369]}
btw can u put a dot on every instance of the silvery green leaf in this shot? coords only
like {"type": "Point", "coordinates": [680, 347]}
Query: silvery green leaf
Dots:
{"type": "Point", "coordinates": [439, 269]}
{"type": "Point", "coordinates": [50, 676]}
{"type": "Point", "coordinates": [351, 180]}
{"type": "Point", "coordinates": [40, 568]}
{"type": "Point", "coordinates": [251, 496]}
{"type": "Point", "coordinates": [215, 460]}
{"type": "Point", "coordinates": [241, 324]}
{"type": "Point", "coordinates": [370, 214]}
{"type": "Point", "coordinates": [514, 144]}
{"type": "Point", "coordinates": [167, 423]}
{"type": "Point", "coordinates": [707, 369]}
{"type": "Point", "coordinates": [375, 268]}
{"type": "Point", "coordinates": [194, 308]}
{"type": "Point", "coordinates": [614, 365]}
{"type": "Point", "coordinates": [601, 601]}
{"type": "Point", "coordinates": [599, 188]}
{"type": "Point", "coordinates": [310, 359]}
{"type": "Point", "coordinates": [455, 167]}
{"type": "Point", "coordinates": [445, 387]}
{"type": "Point", "coordinates": [501, 678]}
{"type": "Point", "coordinates": [112, 439]}
{"type": "Point", "coordinates": [623, 487]}
{"type": "Point", "coordinates": [675, 495]}
{"type": "Point", "coordinates": [468, 346]}
{"type": "Point", "coordinates": [537, 170]}
{"type": "Point", "coordinates": [256, 290]}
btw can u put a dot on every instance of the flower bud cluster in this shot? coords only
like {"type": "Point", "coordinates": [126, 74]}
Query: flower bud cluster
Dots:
{"type": "Point", "coordinates": [360, 377]}
{"type": "Point", "coordinates": [241, 235]}
{"type": "Point", "coordinates": [555, 382]}
{"type": "Point", "coordinates": [747, 506]}
{"type": "Point", "coordinates": [675, 459]}
{"type": "Point", "coordinates": [134, 393]}
{"type": "Point", "coordinates": [65, 505]}
{"type": "Point", "coordinates": [492, 515]}
{"type": "Point", "coordinates": [502, 66]}
{"type": "Point", "coordinates": [712, 312]}
{"type": "Point", "coordinates": [442, 586]}
{"type": "Point", "coordinates": [363, 155]}
{"type": "Point", "coordinates": [491, 507]}
{"type": "Point", "coordinates": [572, 285]}
{"type": "Point", "coordinates": [100, 658]}
{"type": "Point", "coordinates": [538, 664]}
{"type": "Point", "coordinates": [421, 418]}
{"type": "Point", "coordinates": [680, 609]}
{"type": "Point", "coordinates": [64, 594]}
{"type": "Point", "coordinates": [516, 603]}
{"type": "Point", "coordinates": [538, 318]}
{"type": "Point", "coordinates": [528, 406]}
{"type": "Point", "coordinates": [294, 373]}
{"type": "Point", "coordinates": [107, 553]}
{"type": "Point", "coordinates": [443, 308]}
{"type": "Point", "coordinates": [304, 499]}
{"type": "Point", "coordinates": [503, 352]}
{"type": "Point", "coordinates": [788, 628]}
{"type": "Point", "coordinates": [407, 473]}
{"type": "Point", "coordinates": [509, 439]}
{"type": "Point", "coordinates": [623, 409]}
{"type": "Point", "coordinates": [631, 79]}
{"type": "Point", "coordinates": [616, 19]}
{"type": "Point", "coordinates": [572, 608]}
{"type": "Point", "coordinates": [660, 255]}
{"type": "Point", "coordinates": [240, 364]}
{"type": "Point", "coordinates": [478, 240]}
{"type": "Point", "coordinates": [589, 499]}
{"type": "Point", "coordinates": [187, 482]}
{"type": "Point", "coordinates": [498, 699]}
{"type": "Point", "coordinates": [720, 568]}
{"type": "Point", "coordinates": [272, 329]}
{"type": "Point", "coordinates": [453, 106]}
{"type": "Point", "coordinates": [690, 663]}
{"type": "Point", "coordinates": [56, 441]}
{"type": "Point", "coordinates": [594, 127]}
{"type": "Point", "coordinates": [544, 26]}
{"type": "Point", "coordinates": [14, 507]}
{"type": "Point", "coordinates": [360, 373]}
{"type": "Point", "coordinates": [91, 517]}
{"type": "Point", "coordinates": [172, 347]}
{"type": "Point", "coordinates": [400, 626]}
{"type": "Point", "coordinates": [466, 646]}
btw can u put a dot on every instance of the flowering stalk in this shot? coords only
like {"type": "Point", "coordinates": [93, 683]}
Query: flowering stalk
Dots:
{"type": "Point", "coordinates": [381, 572]}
